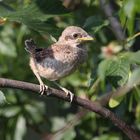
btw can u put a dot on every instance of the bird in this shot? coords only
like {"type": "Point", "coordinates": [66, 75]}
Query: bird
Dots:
{"type": "Point", "coordinates": [60, 59]}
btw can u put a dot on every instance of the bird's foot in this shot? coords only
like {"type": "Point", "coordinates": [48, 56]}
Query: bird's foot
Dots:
{"type": "Point", "coordinates": [68, 93]}
{"type": "Point", "coordinates": [43, 88]}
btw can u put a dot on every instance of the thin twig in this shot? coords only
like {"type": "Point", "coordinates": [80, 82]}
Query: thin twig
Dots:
{"type": "Point", "coordinates": [70, 124]}
{"type": "Point", "coordinates": [119, 92]}
{"type": "Point", "coordinates": [114, 22]}
{"type": "Point", "coordinates": [87, 104]}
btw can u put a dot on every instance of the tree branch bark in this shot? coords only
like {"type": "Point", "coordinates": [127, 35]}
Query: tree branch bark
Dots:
{"type": "Point", "coordinates": [87, 104]}
{"type": "Point", "coordinates": [114, 22]}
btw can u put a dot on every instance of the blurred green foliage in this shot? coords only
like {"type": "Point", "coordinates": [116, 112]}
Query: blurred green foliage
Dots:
{"type": "Point", "coordinates": [24, 115]}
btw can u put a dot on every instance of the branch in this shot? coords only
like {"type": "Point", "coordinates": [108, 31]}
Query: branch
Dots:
{"type": "Point", "coordinates": [70, 124]}
{"type": "Point", "coordinates": [120, 92]}
{"type": "Point", "coordinates": [87, 104]}
{"type": "Point", "coordinates": [114, 22]}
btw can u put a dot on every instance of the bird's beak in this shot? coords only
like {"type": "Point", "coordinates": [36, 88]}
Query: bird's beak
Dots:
{"type": "Point", "coordinates": [87, 38]}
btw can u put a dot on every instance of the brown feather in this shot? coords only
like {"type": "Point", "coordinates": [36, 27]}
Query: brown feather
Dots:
{"type": "Point", "coordinates": [42, 53]}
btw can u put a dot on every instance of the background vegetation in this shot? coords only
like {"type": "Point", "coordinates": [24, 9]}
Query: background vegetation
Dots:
{"type": "Point", "coordinates": [112, 65]}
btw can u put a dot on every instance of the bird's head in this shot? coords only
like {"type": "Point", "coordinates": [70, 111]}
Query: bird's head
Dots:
{"type": "Point", "coordinates": [74, 35]}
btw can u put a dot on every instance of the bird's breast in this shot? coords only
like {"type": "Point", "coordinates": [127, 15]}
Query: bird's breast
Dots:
{"type": "Point", "coordinates": [61, 65]}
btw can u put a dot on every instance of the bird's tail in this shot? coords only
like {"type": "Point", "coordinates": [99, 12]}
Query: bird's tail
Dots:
{"type": "Point", "coordinates": [30, 46]}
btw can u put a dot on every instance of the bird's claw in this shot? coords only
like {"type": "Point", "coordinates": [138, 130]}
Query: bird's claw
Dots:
{"type": "Point", "coordinates": [69, 93]}
{"type": "Point", "coordinates": [43, 88]}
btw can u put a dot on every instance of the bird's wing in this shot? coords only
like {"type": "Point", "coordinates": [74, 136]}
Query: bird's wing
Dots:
{"type": "Point", "coordinates": [42, 53]}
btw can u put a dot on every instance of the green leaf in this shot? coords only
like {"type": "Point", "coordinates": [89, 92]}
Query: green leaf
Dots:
{"type": "Point", "coordinates": [58, 123]}
{"type": "Point", "coordinates": [113, 102]}
{"type": "Point", "coordinates": [69, 135]}
{"type": "Point", "coordinates": [9, 111]}
{"type": "Point", "coordinates": [40, 26]}
{"type": "Point", "coordinates": [134, 57]}
{"type": "Point", "coordinates": [137, 113]}
{"type": "Point", "coordinates": [35, 14]}
{"type": "Point", "coordinates": [53, 38]}
{"type": "Point", "coordinates": [103, 68]}
{"type": "Point", "coordinates": [110, 136]}
{"type": "Point", "coordinates": [7, 48]}
{"type": "Point", "coordinates": [54, 7]}
{"type": "Point", "coordinates": [129, 11]}
{"type": "Point", "coordinates": [35, 111]}
{"type": "Point", "coordinates": [2, 98]}
{"type": "Point", "coordinates": [7, 45]}
{"type": "Point", "coordinates": [116, 70]}
{"type": "Point", "coordinates": [20, 128]}
{"type": "Point", "coordinates": [10, 130]}
{"type": "Point", "coordinates": [134, 78]}
{"type": "Point", "coordinates": [95, 22]}
{"type": "Point", "coordinates": [40, 10]}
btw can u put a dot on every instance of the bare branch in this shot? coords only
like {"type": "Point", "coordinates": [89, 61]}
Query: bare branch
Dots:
{"type": "Point", "coordinates": [70, 124]}
{"type": "Point", "coordinates": [120, 92]}
{"type": "Point", "coordinates": [114, 22]}
{"type": "Point", "coordinates": [87, 104]}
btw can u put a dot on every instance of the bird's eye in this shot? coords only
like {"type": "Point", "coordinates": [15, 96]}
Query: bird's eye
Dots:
{"type": "Point", "coordinates": [75, 35]}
